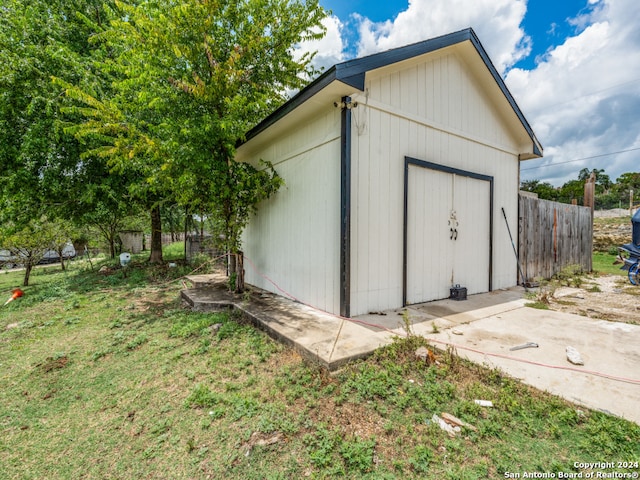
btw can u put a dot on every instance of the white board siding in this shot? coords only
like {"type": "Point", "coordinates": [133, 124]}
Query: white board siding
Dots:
{"type": "Point", "coordinates": [430, 251]}
{"type": "Point", "coordinates": [447, 234]}
{"type": "Point", "coordinates": [433, 110]}
{"type": "Point", "coordinates": [392, 121]}
{"type": "Point", "coordinates": [443, 91]}
{"type": "Point", "coordinates": [472, 203]}
{"type": "Point", "coordinates": [377, 216]}
{"type": "Point", "coordinates": [294, 240]}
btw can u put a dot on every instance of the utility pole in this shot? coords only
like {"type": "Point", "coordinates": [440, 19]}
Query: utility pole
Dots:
{"type": "Point", "coordinates": [631, 202]}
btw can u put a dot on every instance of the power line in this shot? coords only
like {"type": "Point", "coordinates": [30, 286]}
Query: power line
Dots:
{"type": "Point", "coordinates": [589, 94]}
{"type": "Point", "coordinates": [581, 159]}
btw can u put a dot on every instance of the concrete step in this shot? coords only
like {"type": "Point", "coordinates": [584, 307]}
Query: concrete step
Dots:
{"type": "Point", "coordinates": [320, 337]}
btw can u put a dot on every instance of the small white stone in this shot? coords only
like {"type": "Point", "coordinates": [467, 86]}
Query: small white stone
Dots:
{"type": "Point", "coordinates": [574, 356]}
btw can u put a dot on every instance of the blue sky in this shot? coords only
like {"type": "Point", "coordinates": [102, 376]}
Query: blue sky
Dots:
{"type": "Point", "coordinates": [546, 21]}
{"type": "Point", "coordinates": [572, 65]}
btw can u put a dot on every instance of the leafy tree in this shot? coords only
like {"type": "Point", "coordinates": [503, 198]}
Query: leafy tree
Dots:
{"type": "Point", "coordinates": [40, 163]}
{"type": "Point", "coordinates": [572, 190]}
{"type": "Point", "coordinates": [29, 242]}
{"type": "Point", "coordinates": [61, 233]}
{"type": "Point", "coordinates": [191, 78]}
{"type": "Point", "coordinates": [626, 182]}
{"type": "Point", "coordinates": [603, 182]}
{"type": "Point", "coordinates": [545, 190]}
{"type": "Point", "coordinates": [173, 218]}
{"type": "Point", "coordinates": [608, 194]}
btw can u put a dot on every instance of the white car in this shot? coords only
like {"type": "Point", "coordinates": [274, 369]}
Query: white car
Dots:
{"type": "Point", "coordinates": [7, 259]}
{"type": "Point", "coordinates": [51, 256]}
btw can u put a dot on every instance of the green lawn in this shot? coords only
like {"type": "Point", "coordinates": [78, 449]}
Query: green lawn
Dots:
{"type": "Point", "coordinates": [606, 263]}
{"type": "Point", "coordinates": [107, 376]}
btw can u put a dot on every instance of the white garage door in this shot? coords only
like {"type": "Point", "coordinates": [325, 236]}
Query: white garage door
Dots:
{"type": "Point", "coordinates": [448, 234]}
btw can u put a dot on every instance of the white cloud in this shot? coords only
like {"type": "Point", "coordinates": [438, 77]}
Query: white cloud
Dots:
{"type": "Point", "coordinates": [330, 49]}
{"type": "Point", "coordinates": [497, 23]}
{"type": "Point", "coordinates": [583, 97]}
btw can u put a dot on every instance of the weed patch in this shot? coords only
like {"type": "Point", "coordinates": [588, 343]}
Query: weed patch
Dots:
{"type": "Point", "coordinates": [188, 324]}
{"type": "Point", "coordinates": [55, 362]}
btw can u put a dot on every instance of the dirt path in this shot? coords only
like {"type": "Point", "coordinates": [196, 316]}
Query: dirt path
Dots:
{"type": "Point", "coordinates": [608, 297]}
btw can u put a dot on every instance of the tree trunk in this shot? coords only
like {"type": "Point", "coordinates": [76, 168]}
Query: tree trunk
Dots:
{"type": "Point", "coordinates": [27, 272]}
{"type": "Point", "coordinates": [236, 272]}
{"type": "Point", "coordinates": [186, 231]}
{"type": "Point", "coordinates": [239, 272]}
{"type": "Point", "coordinates": [201, 229]}
{"type": "Point", "coordinates": [60, 254]}
{"type": "Point", "coordinates": [156, 236]}
{"type": "Point", "coordinates": [232, 270]}
{"type": "Point", "coordinates": [112, 247]}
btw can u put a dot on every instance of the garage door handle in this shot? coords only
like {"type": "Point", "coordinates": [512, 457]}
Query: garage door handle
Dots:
{"type": "Point", "coordinates": [455, 234]}
{"type": "Point", "coordinates": [451, 234]}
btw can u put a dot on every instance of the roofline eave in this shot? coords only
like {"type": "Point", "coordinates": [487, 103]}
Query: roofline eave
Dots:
{"type": "Point", "coordinates": [353, 73]}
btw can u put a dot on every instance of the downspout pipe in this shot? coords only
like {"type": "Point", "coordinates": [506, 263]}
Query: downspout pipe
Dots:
{"type": "Point", "coordinates": [345, 208]}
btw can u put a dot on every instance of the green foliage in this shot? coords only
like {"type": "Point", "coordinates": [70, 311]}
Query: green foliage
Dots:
{"type": "Point", "coordinates": [610, 437]}
{"type": "Point", "coordinates": [178, 103]}
{"type": "Point", "coordinates": [321, 446]}
{"type": "Point", "coordinates": [538, 304]}
{"type": "Point", "coordinates": [605, 263]}
{"type": "Point", "coordinates": [28, 242]}
{"type": "Point", "coordinates": [39, 39]}
{"type": "Point", "coordinates": [328, 448]}
{"type": "Point", "coordinates": [188, 324]}
{"type": "Point", "coordinates": [571, 275]}
{"type": "Point", "coordinates": [603, 182]}
{"type": "Point", "coordinates": [545, 190]}
{"type": "Point", "coordinates": [202, 397]}
{"type": "Point", "coordinates": [150, 117]}
{"type": "Point", "coordinates": [608, 194]}
{"type": "Point", "coordinates": [247, 186]}
{"type": "Point", "coordinates": [358, 454]}
{"type": "Point", "coordinates": [421, 458]}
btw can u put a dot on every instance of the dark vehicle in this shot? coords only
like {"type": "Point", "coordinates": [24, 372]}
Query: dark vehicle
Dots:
{"type": "Point", "coordinates": [630, 252]}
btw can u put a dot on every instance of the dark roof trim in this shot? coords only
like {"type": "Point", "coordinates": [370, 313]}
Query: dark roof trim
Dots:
{"type": "Point", "coordinates": [505, 91]}
{"type": "Point", "coordinates": [302, 96]}
{"type": "Point", "coordinates": [352, 72]}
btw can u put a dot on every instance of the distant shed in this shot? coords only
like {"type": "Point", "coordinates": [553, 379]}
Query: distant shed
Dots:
{"type": "Point", "coordinates": [397, 166]}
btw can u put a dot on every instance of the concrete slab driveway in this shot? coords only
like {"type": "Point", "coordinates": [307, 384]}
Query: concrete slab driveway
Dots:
{"type": "Point", "coordinates": [483, 328]}
{"type": "Point", "coordinates": [608, 381]}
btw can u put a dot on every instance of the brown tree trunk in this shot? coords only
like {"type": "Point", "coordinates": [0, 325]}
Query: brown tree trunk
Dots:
{"type": "Point", "coordinates": [239, 272]}
{"type": "Point", "coordinates": [156, 236]}
{"type": "Point", "coordinates": [186, 232]}
{"type": "Point", "coordinates": [27, 272]}
{"type": "Point", "coordinates": [60, 254]}
{"type": "Point", "coordinates": [112, 247]}
{"type": "Point", "coordinates": [236, 272]}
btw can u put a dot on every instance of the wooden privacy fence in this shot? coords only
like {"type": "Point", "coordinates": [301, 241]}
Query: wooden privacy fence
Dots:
{"type": "Point", "coordinates": [552, 236]}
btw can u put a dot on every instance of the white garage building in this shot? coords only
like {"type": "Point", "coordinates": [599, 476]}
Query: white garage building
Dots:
{"type": "Point", "coordinates": [397, 167]}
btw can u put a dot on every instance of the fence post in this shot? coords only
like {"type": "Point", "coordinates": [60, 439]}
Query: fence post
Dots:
{"type": "Point", "coordinates": [589, 192]}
